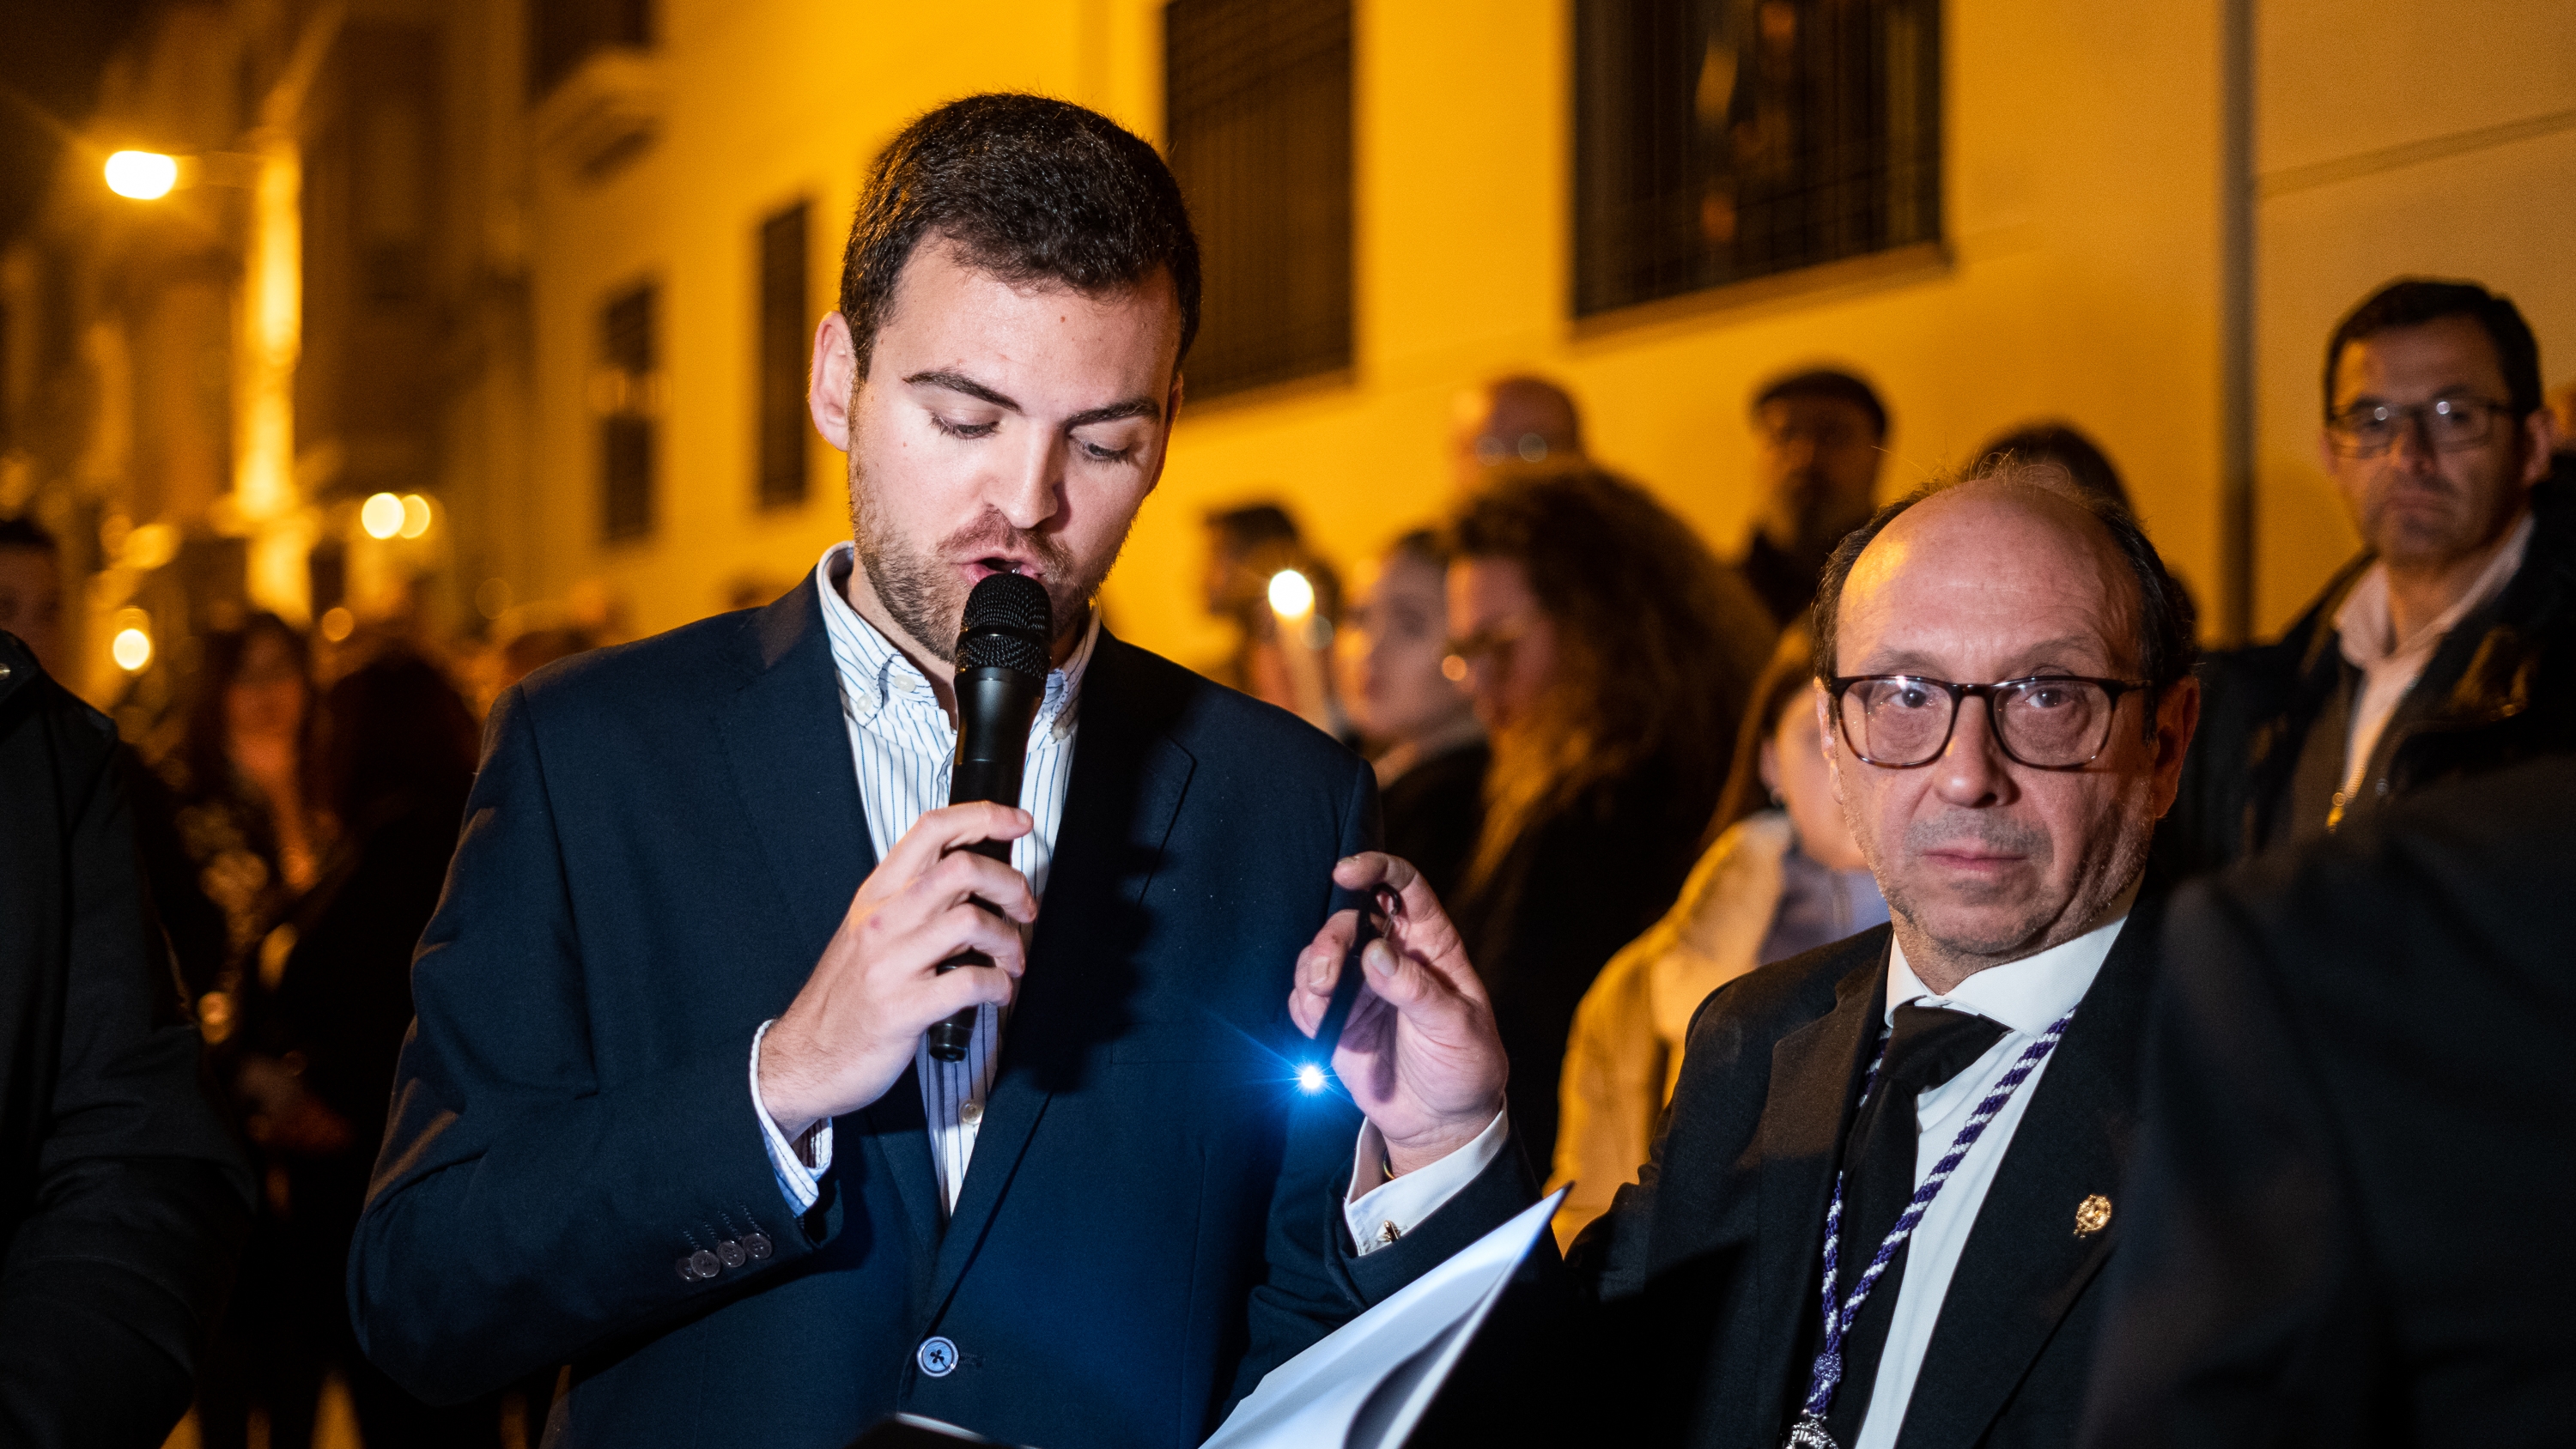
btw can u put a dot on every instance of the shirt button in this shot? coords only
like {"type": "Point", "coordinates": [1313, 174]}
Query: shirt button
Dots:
{"type": "Point", "coordinates": [971, 1112]}
{"type": "Point", "coordinates": [938, 1357]}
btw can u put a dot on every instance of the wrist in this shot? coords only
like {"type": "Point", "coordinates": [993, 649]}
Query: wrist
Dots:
{"type": "Point", "coordinates": [1419, 1150]}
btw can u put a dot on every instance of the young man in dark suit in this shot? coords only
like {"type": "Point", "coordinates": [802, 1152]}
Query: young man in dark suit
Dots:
{"type": "Point", "coordinates": [667, 1117]}
{"type": "Point", "coordinates": [2005, 692]}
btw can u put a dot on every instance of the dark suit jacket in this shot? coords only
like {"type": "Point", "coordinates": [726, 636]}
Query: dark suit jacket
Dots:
{"type": "Point", "coordinates": [1706, 1269]}
{"type": "Point", "coordinates": [122, 1202]}
{"type": "Point", "coordinates": [2356, 1191]}
{"type": "Point", "coordinates": [661, 840]}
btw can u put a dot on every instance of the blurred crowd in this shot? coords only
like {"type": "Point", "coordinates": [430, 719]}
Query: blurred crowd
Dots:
{"type": "Point", "coordinates": [1594, 734]}
{"type": "Point", "coordinates": [1561, 682]}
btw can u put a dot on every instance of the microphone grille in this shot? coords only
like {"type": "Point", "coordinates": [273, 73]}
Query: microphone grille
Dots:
{"type": "Point", "coordinates": [1010, 651]}
{"type": "Point", "coordinates": [1008, 623]}
{"type": "Point", "coordinates": [1013, 603]}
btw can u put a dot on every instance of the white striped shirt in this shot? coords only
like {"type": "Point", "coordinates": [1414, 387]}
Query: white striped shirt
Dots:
{"type": "Point", "coordinates": [905, 745]}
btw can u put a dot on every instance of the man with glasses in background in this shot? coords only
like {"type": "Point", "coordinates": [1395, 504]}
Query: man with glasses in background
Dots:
{"type": "Point", "coordinates": [1924, 1126]}
{"type": "Point", "coordinates": [2442, 651]}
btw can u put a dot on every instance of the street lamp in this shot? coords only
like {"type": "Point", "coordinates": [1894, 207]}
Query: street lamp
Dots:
{"type": "Point", "coordinates": [142, 175]}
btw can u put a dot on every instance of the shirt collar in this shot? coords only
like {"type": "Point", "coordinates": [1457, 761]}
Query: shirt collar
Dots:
{"type": "Point", "coordinates": [2362, 626]}
{"type": "Point", "coordinates": [873, 671]}
{"type": "Point", "coordinates": [2025, 995]}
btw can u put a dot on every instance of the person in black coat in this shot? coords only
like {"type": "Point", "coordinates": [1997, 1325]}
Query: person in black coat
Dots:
{"type": "Point", "coordinates": [122, 1200]}
{"type": "Point", "coordinates": [1997, 1021]}
{"type": "Point", "coordinates": [1611, 657]}
{"type": "Point", "coordinates": [314, 1062]}
{"type": "Point", "coordinates": [2352, 1200]}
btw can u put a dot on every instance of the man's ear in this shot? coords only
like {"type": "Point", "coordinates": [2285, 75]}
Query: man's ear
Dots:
{"type": "Point", "coordinates": [831, 379]}
{"type": "Point", "coordinates": [2539, 443]}
{"type": "Point", "coordinates": [1832, 739]}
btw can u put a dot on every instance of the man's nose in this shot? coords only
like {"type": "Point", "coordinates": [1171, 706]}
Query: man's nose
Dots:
{"type": "Point", "coordinates": [1029, 490]}
{"type": "Point", "coordinates": [1973, 769]}
{"type": "Point", "coordinates": [2413, 448]}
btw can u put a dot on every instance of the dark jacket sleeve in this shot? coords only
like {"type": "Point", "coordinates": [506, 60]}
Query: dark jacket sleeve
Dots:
{"type": "Point", "coordinates": [524, 1210]}
{"type": "Point", "coordinates": [2241, 1284]}
{"type": "Point", "coordinates": [138, 1201]}
{"type": "Point", "coordinates": [1317, 1280]}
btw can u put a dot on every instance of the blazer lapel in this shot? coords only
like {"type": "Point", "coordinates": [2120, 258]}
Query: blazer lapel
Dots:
{"type": "Point", "coordinates": [2025, 1263]}
{"type": "Point", "coordinates": [1815, 1074]}
{"type": "Point", "coordinates": [1128, 780]}
{"type": "Point", "coordinates": [790, 751]}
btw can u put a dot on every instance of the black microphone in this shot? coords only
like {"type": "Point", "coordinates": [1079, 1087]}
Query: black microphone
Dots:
{"type": "Point", "coordinates": [1001, 679]}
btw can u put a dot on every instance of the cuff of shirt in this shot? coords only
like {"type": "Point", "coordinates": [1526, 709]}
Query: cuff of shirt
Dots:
{"type": "Point", "coordinates": [1388, 1211]}
{"type": "Point", "coordinates": [799, 1184]}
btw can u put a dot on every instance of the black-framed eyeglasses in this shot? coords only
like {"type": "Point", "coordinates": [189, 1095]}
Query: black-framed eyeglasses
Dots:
{"type": "Point", "coordinates": [2451, 425]}
{"type": "Point", "coordinates": [2048, 721]}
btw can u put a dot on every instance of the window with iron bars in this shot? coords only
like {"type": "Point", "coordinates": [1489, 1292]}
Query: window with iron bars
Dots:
{"type": "Point", "coordinates": [626, 392]}
{"type": "Point", "coordinates": [1258, 127]}
{"type": "Point", "coordinates": [783, 322]}
{"type": "Point", "coordinates": [1718, 141]}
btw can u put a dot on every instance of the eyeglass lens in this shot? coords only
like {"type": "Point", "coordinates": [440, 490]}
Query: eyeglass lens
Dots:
{"type": "Point", "coordinates": [2449, 423]}
{"type": "Point", "coordinates": [2049, 723]}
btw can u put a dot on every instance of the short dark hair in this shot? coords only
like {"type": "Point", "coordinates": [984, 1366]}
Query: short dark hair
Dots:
{"type": "Point", "coordinates": [1826, 382]}
{"type": "Point", "coordinates": [1424, 544]}
{"type": "Point", "coordinates": [2168, 622]}
{"type": "Point", "coordinates": [2063, 444]}
{"type": "Point", "coordinates": [1252, 525]}
{"type": "Point", "coordinates": [1031, 189]}
{"type": "Point", "coordinates": [24, 531]}
{"type": "Point", "coordinates": [2414, 301]}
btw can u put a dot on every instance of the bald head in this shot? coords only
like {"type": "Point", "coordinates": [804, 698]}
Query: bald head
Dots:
{"type": "Point", "coordinates": [1983, 857]}
{"type": "Point", "coordinates": [1520, 417]}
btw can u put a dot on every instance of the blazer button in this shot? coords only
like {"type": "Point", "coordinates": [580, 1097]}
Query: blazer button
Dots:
{"type": "Point", "coordinates": [938, 1357]}
{"type": "Point", "coordinates": [706, 1264]}
{"type": "Point", "coordinates": [756, 1245]}
{"type": "Point", "coordinates": [732, 1254]}
{"type": "Point", "coordinates": [688, 1271]}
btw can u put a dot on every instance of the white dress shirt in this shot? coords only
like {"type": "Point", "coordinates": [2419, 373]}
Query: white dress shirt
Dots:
{"type": "Point", "coordinates": [2024, 996]}
{"type": "Point", "coordinates": [904, 746]}
{"type": "Point", "coordinates": [2389, 665]}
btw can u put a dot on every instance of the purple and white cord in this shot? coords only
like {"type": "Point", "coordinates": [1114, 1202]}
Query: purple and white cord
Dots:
{"type": "Point", "coordinates": [1828, 1372]}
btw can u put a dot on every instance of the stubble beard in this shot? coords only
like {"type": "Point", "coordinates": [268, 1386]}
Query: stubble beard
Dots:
{"type": "Point", "coordinates": [2042, 923]}
{"type": "Point", "coordinates": [924, 594]}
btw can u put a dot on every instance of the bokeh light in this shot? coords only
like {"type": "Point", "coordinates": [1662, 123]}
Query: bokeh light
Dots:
{"type": "Point", "coordinates": [132, 649]}
{"type": "Point", "coordinates": [381, 515]}
{"type": "Point", "coordinates": [1291, 596]}
{"type": "Point", "coordinates": [415, 515]}
{"type": "Point", "coordinates": [143, 175]}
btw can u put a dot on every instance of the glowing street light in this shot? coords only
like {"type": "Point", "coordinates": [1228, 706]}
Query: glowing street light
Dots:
{"type": "Point", "coordinates": [142, 175]}
{"type": "Point", "coordinates": [382, 515]}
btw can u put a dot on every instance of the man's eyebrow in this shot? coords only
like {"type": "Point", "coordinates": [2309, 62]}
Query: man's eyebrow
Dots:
{"type": "Point", "coordinates": [960, 382]}
{"type": "Point", "coordinates": [1134, 407]}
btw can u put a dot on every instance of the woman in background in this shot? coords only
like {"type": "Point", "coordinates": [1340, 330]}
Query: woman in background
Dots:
{"type": "Point", "coordinates": [1779, 881]}
{"type": "Point", "coordinates": [1403, 689]}
{"type": "Point", "coordinates": [1610, 655]}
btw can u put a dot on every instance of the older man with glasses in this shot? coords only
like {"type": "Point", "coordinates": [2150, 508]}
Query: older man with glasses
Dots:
{"type": "Point", "coordinates": [2443, 650]}
{"type": "Point", "coordinates": [1889, 1178]}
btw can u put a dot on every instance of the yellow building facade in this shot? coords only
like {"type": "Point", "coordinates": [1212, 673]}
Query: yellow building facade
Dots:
{"type": "Point", "coordinates": [2080, 276]}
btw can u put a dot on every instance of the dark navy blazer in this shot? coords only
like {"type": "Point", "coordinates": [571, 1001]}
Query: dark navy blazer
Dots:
{"type": "Point", "coordinates": [661, 841]}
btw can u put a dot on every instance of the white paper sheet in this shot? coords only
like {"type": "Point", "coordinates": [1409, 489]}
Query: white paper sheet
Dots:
{"type": "Point", "coordinates": [1367, 1384]}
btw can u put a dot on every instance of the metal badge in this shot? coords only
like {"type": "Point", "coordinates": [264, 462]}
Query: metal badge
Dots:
{"type": "Point", "coordinates": [2092, 1215]}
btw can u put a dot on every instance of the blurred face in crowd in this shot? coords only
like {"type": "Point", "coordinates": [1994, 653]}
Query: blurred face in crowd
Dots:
{"type": "Point", "coordinates": [1983, 859]}
{"type": "Point", "coordinates": [999, 428]}
{"type": "Point", "coordinates": [31, 603]}
{"type": "Point", "coordinates": [1506, 638]}
{"type": "Point", "coordinates": [266, 701]}
{"type": "Point", "coordinates": [1392, 651]}
{"type": "Point", "coordinates": [2428, 501]}
{"type": "Point", "coordinates": [1793, 768]}
{"type": "Point", "coordinates": [1818, 458]}
{"type": "Point", "coordinates": [1517, 419]}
